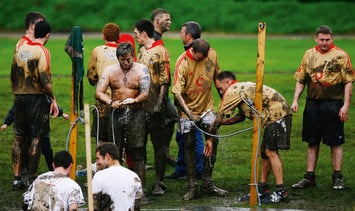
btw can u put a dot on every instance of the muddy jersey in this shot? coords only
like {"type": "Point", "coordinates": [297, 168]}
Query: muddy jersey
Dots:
{"type": "Point", "coordinates": [101, 57]}
{"type": "Point", "coordinates": [30, 69]}
{"type": "Point", "coordinates": [274, 104]}
{"type": "Point", "coordinates": [194, 79]}
{"type": "Point", "coordinates": [157, 59]}
{"type": "Point", "coordinates": [325, 73]}
{"type": "Point", "coordinates": [53, 191]}
{"type": "Point", "coordinates": [120, 185]}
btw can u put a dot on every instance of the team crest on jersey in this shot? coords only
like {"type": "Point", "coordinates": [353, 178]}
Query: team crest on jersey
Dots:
{"type": "Point", "coordinates": [24, 56]}
{"type": "Point", "coordinates": [111, 55]}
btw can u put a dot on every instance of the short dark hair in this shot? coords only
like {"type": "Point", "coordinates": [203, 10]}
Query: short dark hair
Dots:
{"type": "Point", "coordinates": [111, 32]}
{"type": "Point", "coordinates": [225, 75]}
{"type": "Point", "coordinates": [124, 48]}
{"type": "Point", "coordinates": [201, 46]}
{"type": "Point", "coordinates": [158, 12]}
{"type": "Point", "coordinates": [62, 159]}
{"type": "Point", "coordinates": [145, 25]}
{"type": "Point", "coordinates": [33, 17]}
{"type": "Point", "coordinates": [193, 28]}
{"type": "Point", "coordinates": [324, 29]}
{"type": "Point", "coordinates": [110, 148]}
{"type": "Point", "coordinates": [42, 28]}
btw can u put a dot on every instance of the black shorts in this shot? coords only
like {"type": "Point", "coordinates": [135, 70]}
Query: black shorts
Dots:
{"type": "Point", "coordinates": [277, 135]}
{"type": "Point", "coordinates": [31, 115]}
{"type": "Point", "coordinates": [321, 122]}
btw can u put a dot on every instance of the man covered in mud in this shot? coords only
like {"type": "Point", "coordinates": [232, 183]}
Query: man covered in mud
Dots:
{"type": "Point", "coordinates": [32, 87]}
{"type": "Point", "coordinates": [129, 82]}
{"type": "Point", "coordinates": [276, 120]}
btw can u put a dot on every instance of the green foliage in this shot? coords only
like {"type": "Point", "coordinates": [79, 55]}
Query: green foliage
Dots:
{"type": "Point", "coordinates": [282, 17]}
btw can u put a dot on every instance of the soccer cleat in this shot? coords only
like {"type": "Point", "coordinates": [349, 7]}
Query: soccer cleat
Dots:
{"type": "Point", "coordinates": [263, 196]}
{"type": "Point", "coordinates": [191, 194]}
{"type": "Point", "coordinates": [18, 185]}
{"type": "Point", "coordinates": [279, 196]}
{"type": "Point", "coordinates": [213, 190]}
{"type": "Point", "coordinates": [338, 184]}
{"type": "Point", "coordinates": [157, 190]}
{"type": "Point", "coordinates": [304, 183]}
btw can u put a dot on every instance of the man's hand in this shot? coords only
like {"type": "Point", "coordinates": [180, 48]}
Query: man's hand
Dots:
{"type": "Point", "coordinates": [54, 111]}
{"type": "Point", "coordinates": [3, 127]}
{"type": "Point", "coordinates": [207, 151]}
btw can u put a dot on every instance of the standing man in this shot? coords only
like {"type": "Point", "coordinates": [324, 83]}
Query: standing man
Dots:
{"type": "Point", "coordinates": [30, 21]}
{"type": "Point", "coordinates": [54, 190]}
{"type": "Point", "coordinates": [195, 72]}
{"type": "Point", "coordinates": [327, 72]}
{"type": "Point", "coordinates": [155, 56]}
{"type": "Point", "coordinates": [114, 187]}
{"type": "Point", "coordinates": [277, 120]}
{"type": "Point", "coordinates": [161, 21]}
{"type": "Point", "coordinates": [129, 82]}
{"type": "Point", "coordinates": [102, 57]}
{"type": "Point", "coordinates": [31, 83]}
{"type": "Point", "coordinates": [190, 31]}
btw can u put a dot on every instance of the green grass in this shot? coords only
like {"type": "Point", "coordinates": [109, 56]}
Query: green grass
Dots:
{"type": "Point", "coordinates": [232, 169]}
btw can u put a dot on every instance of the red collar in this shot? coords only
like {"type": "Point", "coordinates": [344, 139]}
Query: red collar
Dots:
{"type": "Point", "coordinates": [156, 43]}
{"type": "Point", "coordinates": [189, 53]}
{"type": "Point", "coordinates": [27, 39]}
{"type": "Point", "coordinates": [111, 45]}
{"type": "Point", "coordinates": [330, 47]}
{"type": "Point", "coordinates": [35, 43]}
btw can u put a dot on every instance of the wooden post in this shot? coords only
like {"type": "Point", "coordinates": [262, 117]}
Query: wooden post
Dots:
{"type": "Point", "coordinates": [88, 157]}
{"type": "Point", "coordinates": [74, 133]}
{"type": "Point", "coordinates": [258, 106]}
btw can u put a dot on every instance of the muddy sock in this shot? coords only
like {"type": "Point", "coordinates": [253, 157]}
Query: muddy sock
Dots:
{"type": "Point", "coordinates": [310, 175]}
{"type": "Point", "coordinates": [263, 187]}
{"type": "Point", "coordinates": [337, 174]}
{"type": "Point", "coordinates": [280, 187]}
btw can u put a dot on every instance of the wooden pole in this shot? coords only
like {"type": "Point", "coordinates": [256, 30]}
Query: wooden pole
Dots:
{"type": "Point", "coordinates": [74, 133]}
{"type": "Point", "coordinates": [258, 106]}
{"type": "Point", "coordinates": [88, 157]}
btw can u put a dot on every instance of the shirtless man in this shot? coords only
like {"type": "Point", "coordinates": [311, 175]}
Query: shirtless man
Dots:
{"type": "Point", "coordinates": [129, 82]}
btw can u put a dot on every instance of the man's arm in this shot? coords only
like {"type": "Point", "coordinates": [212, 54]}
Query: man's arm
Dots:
{"type": "Point", "coordinates": [344, 110]}
{"type": "Point", "coordinates": [101, 88]}
{"type": "Point", "coordinates": [298, 91]}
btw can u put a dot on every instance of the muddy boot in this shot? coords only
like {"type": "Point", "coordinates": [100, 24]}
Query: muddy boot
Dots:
{"type": "Point", "coordinates": [209, 188]}
{"type": "Point", "coordinates": [192, 193]}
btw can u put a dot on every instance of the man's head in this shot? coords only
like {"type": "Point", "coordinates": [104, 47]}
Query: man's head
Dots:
{"type": "Point", "coordinates": [42, 30]}
{"type": "Point", "coordinates": [111, 32]}
{"type": "Point", "coordinates": [125, 55]}
{"type": "Point", "coordinates": [200, 48]}
{"type": "Point", "coordinates": [105, 153]}
{"type": "Point", "coordinates": [161, 20]}
{"type": "Point", "coordinates": [62, 159]}
{"type": "Point", "coordinates": [143, 29]}
{"type": "Point", "coordinates": [324, 38]}
{"type": "Point", "coordinates": [223, 80]}
{"type": "Point", "coordinates": [32, 18]}
{"type": "Point", "coordinates": [190, 31]}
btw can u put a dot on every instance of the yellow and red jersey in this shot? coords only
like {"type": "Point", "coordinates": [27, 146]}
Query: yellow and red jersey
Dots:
{"type": "Point", "coordinates": [193, 80]}
{"type": "Point", "coordinates": [325, 73]}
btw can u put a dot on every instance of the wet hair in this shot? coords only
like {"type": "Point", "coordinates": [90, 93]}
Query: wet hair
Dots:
{"type": "Point", "coordinates": [193, 28]}
{"type": "Point", "coordinates": [157, 12]}
{"type": "Point", "coordinates": [124, 48]}
{"type": "Point", "coordinates": [33, 17]}
{"type": "Point", "coordinates": [201, 46]}
{"type": "Point", "coordinates": [110, 148]}
{"type": "Point", "coordinates": [145, 25]}
{"type": "Point", "coordinates": [42, 28]}
{"type": "Point", "coordinates": [324, 29]}
{"type": "Point", "coordinates": [111, 32]}
{"type": "Point", "coordinates": [225, 75]}
{"type": "Point", "coordinates": [62, 159]}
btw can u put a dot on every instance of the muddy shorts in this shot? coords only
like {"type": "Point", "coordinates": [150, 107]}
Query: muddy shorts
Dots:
{"type": "Point", "coordinates": [31, 115]}
{"type": "Point", "coordinates": [321, 122]}
{"type": "Point", "coordinates": [277, 135]}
